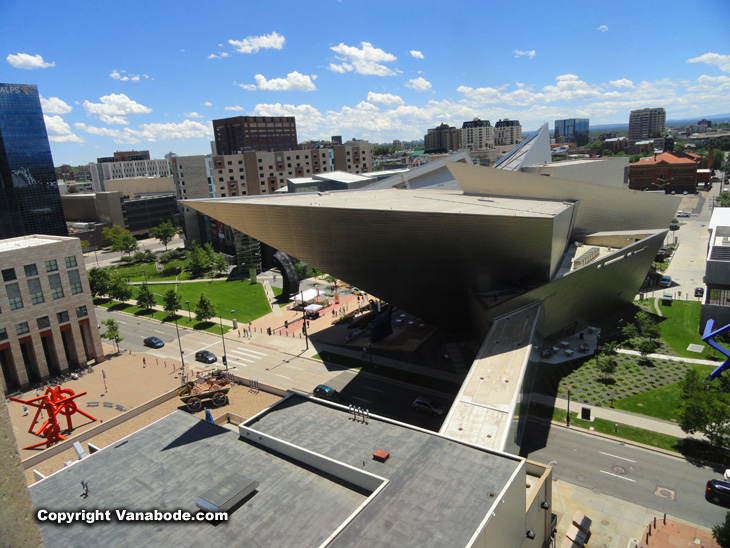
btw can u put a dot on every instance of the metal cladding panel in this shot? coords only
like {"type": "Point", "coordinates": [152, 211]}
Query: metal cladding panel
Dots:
{"type": "Point", "coordinates": [601, 207]}
{"type": "Point", "coordinates": [587, 293]}
{"type": "Point", "coordinates": [425, 262]}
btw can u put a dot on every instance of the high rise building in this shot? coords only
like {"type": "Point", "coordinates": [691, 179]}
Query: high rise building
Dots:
{"type": "Point", "coordinates": [442, 139]}
{"type": "Point", "coordinates": [646, 123]}
{"type": "Point", "coordinates": [507, 132]}
{"type": "Point", "coordinates": [30, 202]}
{"type": "Point", "coordinates": [255, 133]}
{"type": "Point", "coordinates": [477, 135]}
{"type": "Point", "coordinates": [572, 130]}
{"type": "Point", "coordinates": [106, 169]}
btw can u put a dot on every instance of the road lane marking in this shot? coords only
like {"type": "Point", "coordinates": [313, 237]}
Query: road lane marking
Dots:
{"type": "Point", "coordinates": [616, 456]}
{"type": "Point", "coordinates": [155, 330]}
{"type": "Point", "coordinates": [120, 321]}
{"type": "Point", "coordinates": [617, 476]}
{"type": "Point", "coordinates": [361, 399]}
{"type": "Point", "coordinates": [372, 389]}
{"type": "Point", "coordinates": [295, 367]}
{"type": "Point", "coordinates": [254, 351]}
{"type": "Point", "coordinates": [284, 376]}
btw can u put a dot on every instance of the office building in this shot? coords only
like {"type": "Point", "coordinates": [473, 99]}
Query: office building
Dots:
{"type": "Point", "coordinates": [442, 139]}
{"type": "Point", "coordinates": [353, 157]}
{"type": "Point", "coordinates": [255, 133]}
{"type": "Point", "coordinates": [126, 169]}
{"type": "Point", "coordinates": [477, 135]}
{"type": "Point", "coordinates": [716, 300]}
{"type": "Point", "coordinates": [507, 132]}
{"type": "Point", "coordinates": [572, 130]}
{"type": "Point", "coordinates": [647, 123]}
{"type": "Point", "coordinates": [30, 202]}
{"type": "Point", "coordinates": [48, 324]}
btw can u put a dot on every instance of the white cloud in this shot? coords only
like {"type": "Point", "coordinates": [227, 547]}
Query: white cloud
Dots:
{"type": "Point", "coordinates": [220, 55]}
{"type": "Point", "coordinates": [419, 84]}
{"type": "Point", "coordinates": [602, 28]}
{"type": "Point", "coordinates": [248, 87]}
{"type": "Point", "coordinates": [384, 99]}
{"type": "Point", "coordinates": [59, 131]}
{"type": "Point", "coordinates": [364, 60]}
{"type": "Point", "coordinates": [192, 115]}
{"type": "Point", "coordinates": [720, 61]}
{"type": "Point", "coordinates": [253, 44]}
{"type": "Point", "coordinates": [294, 81]}
{"type": "Point", "coordinates": [54, 105]}
{"type": "Point", "coordinates": [208, 104]}
{"type": "Point", "coordinates": [623, 83]}
{"type": "Point", "coordinates": [235, 108]}
{"type": "Point", "coordinates": [122, 77]}
{"type": "Point", "coordinates": [26, 61]}
{"type": "Point", "coordinates": [152, 132]}
{"type": "Point", "coordinates": [115, 108]}
{"type": "Point", "coordinates": [520, 53]}
{"type": "Point", "coordinates": [417, 54]}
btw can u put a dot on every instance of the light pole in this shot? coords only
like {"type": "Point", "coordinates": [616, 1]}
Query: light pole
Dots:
{"type": "Point", "coordinates": [190, 317]}
{"type": "Point", "coordinates": [567, 418]}
{"type": "Point", "coordinates": [304, 323]}
{"type": "Point", "coordinates": [225, 360]}
{"type": "Point", "coordinates": [179, 344]}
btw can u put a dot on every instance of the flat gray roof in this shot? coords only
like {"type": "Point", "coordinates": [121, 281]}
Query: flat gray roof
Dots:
{"type": "Point", "coordinates": [438, 491]}
{"type": "Point", "coordinates": [167, 465]}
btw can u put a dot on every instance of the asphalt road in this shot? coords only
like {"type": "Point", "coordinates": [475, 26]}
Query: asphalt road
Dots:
{"type": "Point", "coordinates": [641, 476]}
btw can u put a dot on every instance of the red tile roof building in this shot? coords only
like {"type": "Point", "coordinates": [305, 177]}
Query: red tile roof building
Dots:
{"type": "Point", "coordinates": [668, 171]}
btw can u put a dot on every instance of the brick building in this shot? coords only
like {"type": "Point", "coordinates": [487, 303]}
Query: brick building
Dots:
{"type": "Point", "coordinates": [672, 172]}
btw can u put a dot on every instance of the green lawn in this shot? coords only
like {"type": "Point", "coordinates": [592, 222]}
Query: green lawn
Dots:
{"type": "Point", "coordinates": [140, 272]}
{"type": "Point", "coordinates": [182, 319]}
{"type": "Point", "coordinates": [248, 300]}
{"type": "Point", "coordinates": [681, 327]}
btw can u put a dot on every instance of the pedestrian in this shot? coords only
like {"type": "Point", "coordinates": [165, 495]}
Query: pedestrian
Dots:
{"type": "Point", "coordinates": [239, 333]}
{"type": "Point", "coordinates": [85, 487]}
{"type": "Point", "coordinates": [144, 362]}
{"type": "Point", "coordinates": [25, 411]}
{"type": "Point", "coordinates": [157, 361]}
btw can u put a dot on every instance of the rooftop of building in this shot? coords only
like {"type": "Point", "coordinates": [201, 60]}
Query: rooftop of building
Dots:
{"type": "Point", "coordinates": [24, 242]}
{"type": "Point", "coordinates": [669, 158]}
{"type": "Point", "coordinates": [426, 201]}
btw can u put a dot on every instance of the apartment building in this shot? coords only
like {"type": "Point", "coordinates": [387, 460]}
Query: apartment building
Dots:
{"type": "Point", "coordinates": [126, 169]}
{"type": "Point", "coordinates": [507, 132]}
{"type": "Point", "coordinates": [443, 138]}
{"type": "Point", "coordinates": [646, 123]}
{"type": "Point", "coordinates": [477, 135]}
{"type": "Point", "coordinates": [255, 133]}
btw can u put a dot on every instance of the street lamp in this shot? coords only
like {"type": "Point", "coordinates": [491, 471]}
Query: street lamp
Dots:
{"type": "Point", "coordinates": [189, 315]}
{"type": "Point", "coordinates": [179, 344]}
{"type": "Point", "coordinates": [225, 360]}
{"type": "Point", "coordinates": [304, 322]}
{"type": "Point", "coordinates": [567, 418]}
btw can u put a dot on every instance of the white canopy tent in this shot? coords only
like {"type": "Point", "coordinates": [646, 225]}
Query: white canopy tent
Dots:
{"type": "Point", "coordinates": [305, 297]}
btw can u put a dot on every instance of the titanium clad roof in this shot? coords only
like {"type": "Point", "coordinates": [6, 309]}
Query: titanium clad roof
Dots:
{"type": "Point", "coordinates": [533, 150]}
{"type": "Point", "coordinates": [438, 490]}
{"type": "Point", "coordinates": [429, 175]}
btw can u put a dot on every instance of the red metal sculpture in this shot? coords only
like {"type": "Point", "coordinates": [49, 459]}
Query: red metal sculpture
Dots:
{"type": "Point", "coordinates": [56, 401]}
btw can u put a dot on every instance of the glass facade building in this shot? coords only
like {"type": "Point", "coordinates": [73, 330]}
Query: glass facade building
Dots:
{"type": "Point", "coordinates": [30, 202]}
{"type": "Point", "coordinates": [572, 130]}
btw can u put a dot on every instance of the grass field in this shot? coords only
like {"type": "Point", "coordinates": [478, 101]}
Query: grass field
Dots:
{"type": "Point", "coordinates": [182, 319]}
{"type": "Point", "coordinates": [140, 272]}
{"type": "Point", "coordinates": [681, 327]}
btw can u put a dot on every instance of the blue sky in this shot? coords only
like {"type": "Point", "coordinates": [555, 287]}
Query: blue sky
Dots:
{"type": "Point", "coordinates": [152, 75]}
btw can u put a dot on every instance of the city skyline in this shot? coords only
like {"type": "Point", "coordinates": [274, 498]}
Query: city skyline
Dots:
{"type": "Point", "coordinates": [155, 76]}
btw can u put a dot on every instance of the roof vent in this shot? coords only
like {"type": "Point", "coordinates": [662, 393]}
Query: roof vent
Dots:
{"type": "Point", "coordinates": [227, 493]}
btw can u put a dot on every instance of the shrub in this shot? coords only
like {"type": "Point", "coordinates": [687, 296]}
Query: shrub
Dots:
{"type": "Point", "coordinates": [175, 254]}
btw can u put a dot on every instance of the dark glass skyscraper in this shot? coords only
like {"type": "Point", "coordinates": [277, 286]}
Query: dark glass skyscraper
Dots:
{"type": "Point", "coordinates": [29, 199]}
{"type": "Point", "coordinates": [572, 130]}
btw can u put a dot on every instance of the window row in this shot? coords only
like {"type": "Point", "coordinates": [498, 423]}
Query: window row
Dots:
{"type": "Point", "coordinates": [9, 275]}
{"type": "Point", "coordinates": [15, 300]}
{"type": "Point", "coordinates": [43, 323]}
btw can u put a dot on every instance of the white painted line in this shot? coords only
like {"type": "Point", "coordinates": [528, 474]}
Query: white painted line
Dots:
{"type": "Point", "coordinates": [120, 321]}
{"type": "Point", "coordinates": [617, 476]}
{"type": "Point", "coordinates": [295, 367]}
{"type": "Point", "coordinates": [254, 351]}
{"type": "Point", "coordinates": [361, 399]}
{"type": "Point", "coordinates": [616, 456]}
{"type": "Point", "coordinates": [155, 330]}
{"type": "Point", "coordinates": [283, 376]}
{"type": "Point", "coordinates": [372, 389]}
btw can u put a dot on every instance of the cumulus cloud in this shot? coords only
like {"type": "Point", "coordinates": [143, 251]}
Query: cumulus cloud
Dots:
{"type": "Point", "coordinates": [207, 104]}
{"type": "Point", "coordinates": [720, 61]}
{"type": "Point", "coordinates": [29, 62]}
{"type": "Point", "coordinates": [602, 28]}
{"type": "Point", "coordinates": [235, 108]}
{"type": "Point", "coordinates": [384, 99]}
{"type": "Point", "coordinates": [115, 108]}
{"type": "Point", "coordinates": [417, 54]}
{"type": "Point", "coordinates": [54, 105]}
{"type": "Point", "coordinates": [520, 53]}
{"type": "Point", "coordinates": [192, 115]}
{"type": "Point", "coordinates": [248, 87]}
{"type": "Point", "coordinates": [59, 131]}
{"type": "Point", "coordinates": [122, 77]}
{"type": "Point", "coordinates": [366, 60]}
{"type": "Point", "coordinates": [294, 81]}
{"type": "Point", "coordinates": [622, 83]}
{"type": "Point", "coordinates": [419, 84]}
{"type": "Point", "coordinates": [152, 132]}
{"type": "Point", "coordinates": [219, 55]}
{"type": "Point", "coordinates": [253, 44]}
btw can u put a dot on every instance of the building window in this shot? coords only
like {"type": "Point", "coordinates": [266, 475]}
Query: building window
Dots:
{"type": "Point", "coordinates": [75, 279]}
{"type": "Point", "coordinates": [43, 322]}
{"type": "Point", "coordinates": [51, 265]}
{"type": "Point", "coordinates": [56, 288]}
{"type": "Point", "coordinates": [3, 334]}
{"type": "Point", "coordinates": [14, 297]}
{"type": "Point", "coordinates": [81, 311]}
{"type": "Point", "coordinates": [22, 328]}
{"type": "Point", "coordinates": [31, 270]}
{"type": "Point", "coordinates": [9, 275]}
{"type": "Point", "coordinates": [71, 261]}
{"type": "Point", "coordinates": [62, 317]}
{"type": "Point", "coordinates": [36, 292]}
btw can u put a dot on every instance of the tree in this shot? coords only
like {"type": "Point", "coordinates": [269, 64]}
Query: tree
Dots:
{"type": "Point", "coordinates": [644, 346]}
{"type": "Point", "coordinates": [647, 326]}
{"type": "Point", "coordinates": [112, 332]}
{"type": "Point", "coordinates": [85, 245]}
{"type": "Point", "coordinates": [198, 262]}
{"type": "Point", "coordinates": [119, 290]}
{"type": "Point", "coordinates": [145, 297]}
{"type": "Point", "coordinates": [220, 265]}
{"type": "Point", "coordinates": [606, 365]}
{"type": "Point", "coordinates": [725, 199]}
{"type": "Point", "coordinates": [110, 233]}
{"type": "Point", "coordinates": [125, 242]}
{"type": "Point", "coordinates": [705, 408]}
{"type": "Point", "coordinates": [721, 533]}
{"type": "Point", "coordinates": [71, 189]}
{"type": "Point", "coordinates": [99, 282]}
{"type": "Point", "coordinates": [164, 232]}
{"type": "Point", "coordinates": [204, 310]}
{"type": "Point", "coordinates": [172, 301]}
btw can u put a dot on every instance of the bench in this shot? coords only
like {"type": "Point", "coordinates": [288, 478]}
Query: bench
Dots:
{"type": "Point", "coordinates": [108, 404]}
{"type": "Point", "coordinates": [92, 404]}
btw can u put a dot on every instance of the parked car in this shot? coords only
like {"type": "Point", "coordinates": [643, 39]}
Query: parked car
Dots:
{"type": "Point", "coordinates": [205, 356]}
{"type": "Point", "coordinates": [427, 405]}
{"type": "Point", "coordinates": [699, 291]}
{"type": "Point", "coordinates": [718, 492]}
{"type": "Point", "coordinates": [666, 281]}
{"type": "Point", "coordinates": [683, 214]}
{"type": "Point", "coordinates": [154, 342]}
{"type": "Point", "coordinates": [326, 393]}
